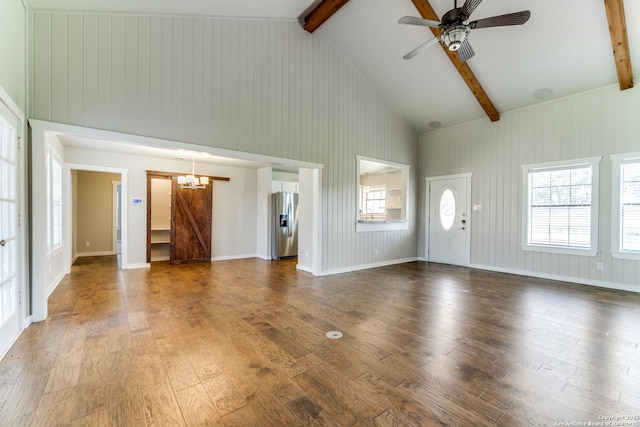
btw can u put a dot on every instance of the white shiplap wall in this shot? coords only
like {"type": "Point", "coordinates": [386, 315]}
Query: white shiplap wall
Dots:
{"type": "Point", "coordinates": [596, 123]}
{"type": "Point", "coordinates": [13, 36]}
{"type": "Point", "coordinates": [264, 87]}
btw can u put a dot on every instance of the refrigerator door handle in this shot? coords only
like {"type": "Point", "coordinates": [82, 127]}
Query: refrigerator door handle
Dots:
{"type": "Point", "coordinates": [289, 215]}
{"type": "Point", "coordinates": [292, 217]}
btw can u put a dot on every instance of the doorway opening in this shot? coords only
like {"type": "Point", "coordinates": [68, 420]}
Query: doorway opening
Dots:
{"type": "Point", "coordinates": [284, 212]}
{"type": "Point", "coordinates": [159, 228]}
{"type": "Point", "coordinates": [96, 226]}
{"type": "Point", "coordinates": [94, 214]}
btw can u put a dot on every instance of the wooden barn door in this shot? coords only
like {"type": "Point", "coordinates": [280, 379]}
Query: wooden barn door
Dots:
{"type": "Point", "coordinates": [190, 224]}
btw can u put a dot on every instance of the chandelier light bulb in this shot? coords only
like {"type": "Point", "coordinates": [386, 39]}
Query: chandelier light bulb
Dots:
{"type": "Point", "coordinates": [192, 181]}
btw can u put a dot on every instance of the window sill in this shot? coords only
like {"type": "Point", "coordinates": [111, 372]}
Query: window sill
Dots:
{"type": "Point", "coordinates": [626, 255]}
{"type": "Point", "coordinates": [560, 250]}
{"type": "Point", "coordinates": [364, 225]}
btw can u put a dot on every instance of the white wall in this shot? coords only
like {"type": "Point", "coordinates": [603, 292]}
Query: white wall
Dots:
{"type": "Point", "coordinates": [596, 123]}
{"type": "Point", "coordinates": [308, 220]}
{"type": "Point", "coordinates": [234, 201]}
{"type": "Point", "coordinates": [264, 87]}
{"type": "Point", "coordinates": [263, 213]}
{"type": "Point", "coordinates": [48, 268]}
{"type": "Point", "coordinates": [234, 214]}
{"type": "Point", "coordinates": [13, 68]}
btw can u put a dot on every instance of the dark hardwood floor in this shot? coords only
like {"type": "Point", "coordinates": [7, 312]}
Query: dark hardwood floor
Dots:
{"type": "Point", "coordinates": [242, 343]}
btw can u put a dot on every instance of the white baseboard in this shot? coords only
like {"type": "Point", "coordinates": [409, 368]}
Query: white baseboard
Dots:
{"type": "Point", "coordinates": [367, 266]}
{"type": "Point", "coordinates": [26, 322]}
{"type": "Point", "coordinates": [13, 341]}
{"type": "Point", "coordinates": [304, 268]}
{"type": "Point", "coordinates": [577, 280]}
{"type": "Point", "coordinates": [54, 284]}
{"type": "Point", "coordinates": [232, 257]}
{"type": "Point", "coordinates": [140, 265]}
{"type": "Point", "coordinates": [98, 253]}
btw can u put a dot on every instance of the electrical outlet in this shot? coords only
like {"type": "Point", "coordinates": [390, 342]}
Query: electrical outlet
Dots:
{"type": "Point", "coordinates": [599, 266]}
{"type": "Point", "coordinates": [87, 243]}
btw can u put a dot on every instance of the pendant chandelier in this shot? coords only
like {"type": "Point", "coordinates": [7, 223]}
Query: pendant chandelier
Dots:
{"type": "Point", "coordinates": [192, 181]}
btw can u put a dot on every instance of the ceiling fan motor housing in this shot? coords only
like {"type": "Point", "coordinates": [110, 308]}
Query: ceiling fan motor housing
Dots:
{"type": "Point", "coordinates": [455, 35]}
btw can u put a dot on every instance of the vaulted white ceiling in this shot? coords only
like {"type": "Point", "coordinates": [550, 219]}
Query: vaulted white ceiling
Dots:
{"type": "Point", "coordinates": [564, 47]}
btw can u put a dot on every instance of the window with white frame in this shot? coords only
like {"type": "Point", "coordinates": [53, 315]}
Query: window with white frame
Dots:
{"type": "Point", "coordinates": [54, 201]}
{"type": "Point", "coordinates": [560, 206]}
{"type": "Point", "coordinates": [373, 202]}
{"type": "Point", "coordinates": [626, 206]}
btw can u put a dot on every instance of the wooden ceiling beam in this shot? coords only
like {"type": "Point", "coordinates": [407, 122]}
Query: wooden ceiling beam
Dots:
{"type": "Point", "coordinates": [427, 12]}
{"type": "Point", "coordinates": [321, 13]}
{"type": "Point", "coordinates": [619, 42]}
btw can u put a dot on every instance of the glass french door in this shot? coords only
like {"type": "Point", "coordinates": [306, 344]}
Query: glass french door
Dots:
{"type": "Point", "coordinates": [9, 287]}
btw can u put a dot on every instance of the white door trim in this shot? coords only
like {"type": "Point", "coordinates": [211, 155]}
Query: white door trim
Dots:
{"type": "Point", "coordinates": [114, 239]}
{"type": "Point", "coordinates": [427, 218]}
{"type": "Point", "coordinates": [67, 197]}
{"type": "Point", "coordinates": [22, 222]}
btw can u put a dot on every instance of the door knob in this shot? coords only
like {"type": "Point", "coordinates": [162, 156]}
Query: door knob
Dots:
{"type": "Point", "coordinates": [3, 242]}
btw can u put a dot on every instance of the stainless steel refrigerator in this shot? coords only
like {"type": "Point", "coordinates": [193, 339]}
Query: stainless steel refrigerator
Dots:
{"type": "Point", "coordinates": [284, 225]}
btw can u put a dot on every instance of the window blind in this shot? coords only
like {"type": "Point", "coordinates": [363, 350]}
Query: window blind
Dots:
{"type": "Point", "coordinates": [630, 206]}
{"type": "Point", "coordinates": [560, 207]}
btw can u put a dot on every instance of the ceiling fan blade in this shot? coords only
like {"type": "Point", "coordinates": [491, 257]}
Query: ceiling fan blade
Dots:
{"type": "Point", "coordinates": [422, 47]}
{"type": "Point", "coordinates": [466, 51]}
{"type": "Point", "coordinates": [468, 8]}
{"type": "Point", "coordinates": [517, 18]}
{"type": "Point", "coordinates": [412, 20]}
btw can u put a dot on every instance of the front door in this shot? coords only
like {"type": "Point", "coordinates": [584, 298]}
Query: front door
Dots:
{"type": "Point", "coordinates": [9, 285]}
{"type": "Point", "coordinates": [449, 220]}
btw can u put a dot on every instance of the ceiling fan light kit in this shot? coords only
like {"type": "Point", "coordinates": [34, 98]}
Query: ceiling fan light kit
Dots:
{"type": "Point", "coordinates": [456, 27]}
{"type": "Point", "coordinates": [455, 35]}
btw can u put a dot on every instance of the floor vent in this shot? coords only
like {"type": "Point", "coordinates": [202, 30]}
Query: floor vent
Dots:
{"type": "Point", "coordinates": [334, 335]}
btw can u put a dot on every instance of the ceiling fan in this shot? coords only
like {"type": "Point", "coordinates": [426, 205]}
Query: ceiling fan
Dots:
{"type": "Point", "coordinates": [456, 27]}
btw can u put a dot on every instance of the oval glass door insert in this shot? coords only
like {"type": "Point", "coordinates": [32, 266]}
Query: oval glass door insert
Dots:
{"type": "Point", "coordinates": [447, 209]}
